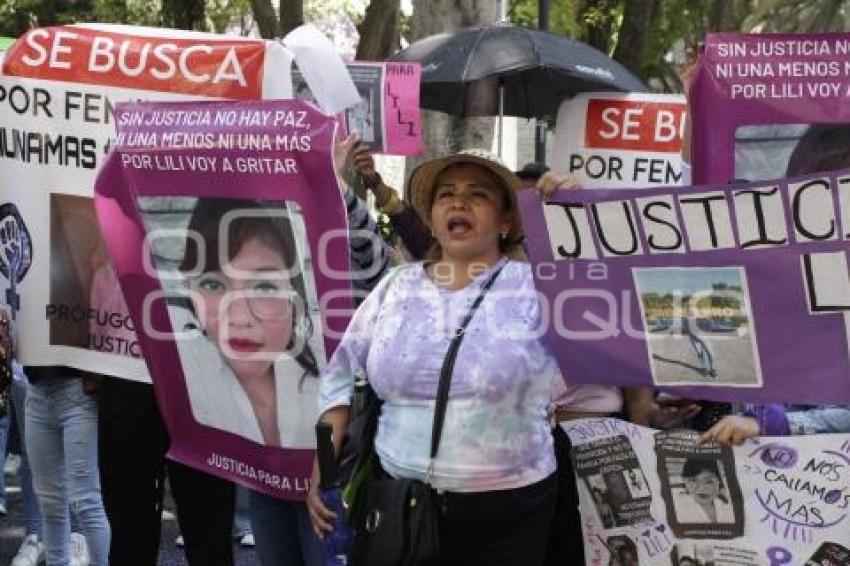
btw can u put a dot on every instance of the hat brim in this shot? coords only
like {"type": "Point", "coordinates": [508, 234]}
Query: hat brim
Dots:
{"type": "Point", "coordinates": [423, 183]}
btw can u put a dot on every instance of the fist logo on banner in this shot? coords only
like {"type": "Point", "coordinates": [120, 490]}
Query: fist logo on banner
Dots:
{"type": "Point", "coordinates": [16, 253]}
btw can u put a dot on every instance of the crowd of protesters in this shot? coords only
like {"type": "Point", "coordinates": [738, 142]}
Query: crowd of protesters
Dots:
{"type": "Point", "coordinates": [93, 463]}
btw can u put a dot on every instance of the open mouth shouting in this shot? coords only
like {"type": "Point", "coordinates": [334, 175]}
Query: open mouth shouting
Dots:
{"type": "Point", "coordinates": [458, 226]}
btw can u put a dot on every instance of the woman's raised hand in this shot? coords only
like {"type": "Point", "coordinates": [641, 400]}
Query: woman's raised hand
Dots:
{"type": "Point", "coordinates": [551, 181]}
{"type": "Point", "coordinates": [731, 429]}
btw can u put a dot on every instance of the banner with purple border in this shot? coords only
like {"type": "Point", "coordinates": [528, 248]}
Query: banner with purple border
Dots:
{"type": "Point", "coordinates": [662, 499]}
{"type": "Point", "coordinates": [753, 96]}
{"type": "Point", "coordinates": [228, 234]}
{"type": "Point", "coordinates": [732, 293]}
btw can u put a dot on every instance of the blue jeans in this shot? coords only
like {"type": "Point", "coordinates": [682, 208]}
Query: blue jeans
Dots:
{"type": "Point", "coordinates": [241, 513]}
{"type": "Point", "coordinates": [32, 514]}
{"type": "Point", "coordinates": [282, 533]}
{"type": "Point", "coordinates": [4, 436]}
{"type": "Point", "coordinates": [61, 443]}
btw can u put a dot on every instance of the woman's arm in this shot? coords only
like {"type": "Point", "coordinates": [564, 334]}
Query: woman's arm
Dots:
{"type": "Point", "coordinates": [819, 420]}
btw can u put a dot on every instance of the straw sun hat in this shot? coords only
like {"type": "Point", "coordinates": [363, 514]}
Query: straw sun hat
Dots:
{"type": "Point", "coordinates": [423, 183]}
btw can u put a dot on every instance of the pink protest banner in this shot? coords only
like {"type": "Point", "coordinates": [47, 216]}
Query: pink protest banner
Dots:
{"type": "Point", "coordinates": [754, 96]}
{"type": "Point", "coordinates": [228, 235]}
{"type": "Point", "coordinates": [401, 104]}
{"type": "Point", "coordinates": [387, 118]}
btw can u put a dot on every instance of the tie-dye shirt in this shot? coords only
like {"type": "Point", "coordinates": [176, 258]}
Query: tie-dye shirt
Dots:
{"type": "Point", "coordinates": [496, 434]}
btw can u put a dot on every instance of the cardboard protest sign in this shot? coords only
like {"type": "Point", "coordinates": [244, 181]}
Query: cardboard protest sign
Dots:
{"type": "Point", "coordinates": [721, 292]}
{"type": "Point", "coordinates": [754, 97]}
{"type": "Point", "coordinates": [228, 234]}
{"type": "Point", "coordinates": [774, 501]}
{"type": "Point", "coordinates": [387, 118]}
{"type": "Point", "coordinates": [58, 91]}
{"type": "Point", "coordinates": [621, 139]}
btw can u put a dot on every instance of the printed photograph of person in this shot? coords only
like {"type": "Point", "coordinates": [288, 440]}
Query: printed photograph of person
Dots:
{"type": "Point", "coordinates": [87, 308]}
{"type": "Point", "coordinates": [360, 118]}
{"type": "Point", "coordinates": [636, 483]}
{"type": "Point", "coordinates": [688, 553]}
{"type": "Point", "coordinates": [599, 493]}
{"type": "Point", "coordinates": [241, 314]}
{"type": "Point", "coordinates": [111, 329]}
{"type": "Point", "coordinates": [698, 325]}
{"type": "Point", "coordinates": [830, 554]}
{"type": "Point", "coordinates": [701, 495]}
{"type": "Point", "coordinates": [622, 551]}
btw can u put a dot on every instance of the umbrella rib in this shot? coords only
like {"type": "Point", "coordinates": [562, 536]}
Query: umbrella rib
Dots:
{"type": "Point", "coordinates": [479, 37]}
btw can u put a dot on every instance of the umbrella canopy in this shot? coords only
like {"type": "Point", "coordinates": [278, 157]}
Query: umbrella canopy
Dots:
{"type": "Point", "coordinates": [464, 71]}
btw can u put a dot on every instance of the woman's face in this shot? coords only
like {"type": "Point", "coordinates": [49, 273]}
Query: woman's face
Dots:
{"type": "Point", "coordinates": [704, 487]}
{"type": "Point", "coordinates": [247, 308]}
{"type": "Point", "coordinates": [467, 215]}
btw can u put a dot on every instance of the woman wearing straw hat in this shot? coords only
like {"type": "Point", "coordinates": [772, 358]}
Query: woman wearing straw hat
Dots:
{"type": "Point", "coordinates": [495, 463]}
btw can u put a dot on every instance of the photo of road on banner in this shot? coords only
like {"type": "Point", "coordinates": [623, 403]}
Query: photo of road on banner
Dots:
{"type": "Point", "coordinates": [238, 283]}
{"type": "Point", "coordinates": [613, 480]}
{"type": "Point", "coordinates": [699, 486]}
{"type": "Point", "coordinates": [87, 308]}
{"type": "Point", "coordinates": [699, 326]}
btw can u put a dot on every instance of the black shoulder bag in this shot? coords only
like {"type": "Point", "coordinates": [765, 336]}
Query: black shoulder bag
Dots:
{"type": "Point", "coordinates": [396, 520]}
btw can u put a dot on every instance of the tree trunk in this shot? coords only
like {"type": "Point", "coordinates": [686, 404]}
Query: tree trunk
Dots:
{"type": "Point", "coordinates": [442, 133]}
{"type": "Point", "coordinates": [637, 16]}
{"type": "Point", "coordinates": [291, 15]}
{"type": "Point", "coordinates": [266, 18]}
{"type": "Point", "coordinates": [378, 31]}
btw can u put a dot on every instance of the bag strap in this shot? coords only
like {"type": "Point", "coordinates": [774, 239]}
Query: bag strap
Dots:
{"type": "Point", "coordinates": [449, 365]}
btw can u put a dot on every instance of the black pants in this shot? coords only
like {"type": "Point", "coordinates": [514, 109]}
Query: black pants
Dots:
{"type": "Point", "coordinates": [133, 442]}
{"type": "Point", "coordinates": [497, 528]}
{"type": "Point", "coordinates": [566, 543]}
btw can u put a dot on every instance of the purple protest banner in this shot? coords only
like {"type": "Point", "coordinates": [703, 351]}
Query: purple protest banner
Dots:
{"type": "Point", "coordinates": [228, 234]}
{"type": "Point", "coordinates": [734, 293]}
{"type": "Point", "coordinates": [764, 89]}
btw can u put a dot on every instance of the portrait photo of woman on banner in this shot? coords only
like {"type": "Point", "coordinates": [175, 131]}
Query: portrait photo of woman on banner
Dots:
{"type": "Point", "coordinates": [703, 497]}
{"type": "Point", "coordinates": [239, 299]}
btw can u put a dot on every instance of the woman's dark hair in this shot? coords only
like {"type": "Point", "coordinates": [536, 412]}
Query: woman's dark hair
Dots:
{"type": "Point", "coordinates": [695, 466]}
{"type": "Point", "coordinates": [824, 147]}
{"type": "Point", "coordinates": [274, 231]}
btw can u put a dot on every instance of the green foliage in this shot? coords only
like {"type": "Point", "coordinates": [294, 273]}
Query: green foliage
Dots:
{"type": "Point", "coordinates": [799, 16]}
{"type": "Point", "coordinates": [17, 16]}
{"type": "Point", "coordinates": [563, 16]}
{"type": "Point", "coordinates": [676, 28]}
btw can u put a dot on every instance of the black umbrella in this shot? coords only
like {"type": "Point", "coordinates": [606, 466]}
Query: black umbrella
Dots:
{"type": "Point", "coordinates": [465, 72]}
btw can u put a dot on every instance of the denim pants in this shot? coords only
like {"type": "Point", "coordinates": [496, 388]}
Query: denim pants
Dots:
{"type": "Point", "coordinates": [61, 443]}
{"type": "Point", "coordinates": [32, 514]}
{"type": "Point", "coordinates": [282, 532]}
{"type": "Point", "coordinates": [4, 436]}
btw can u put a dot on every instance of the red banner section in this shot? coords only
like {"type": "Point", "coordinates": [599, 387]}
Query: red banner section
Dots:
{"type": "Point", "coordinates": [626, 124]}
{"type": "Point", "coordinates": [203, 67]}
